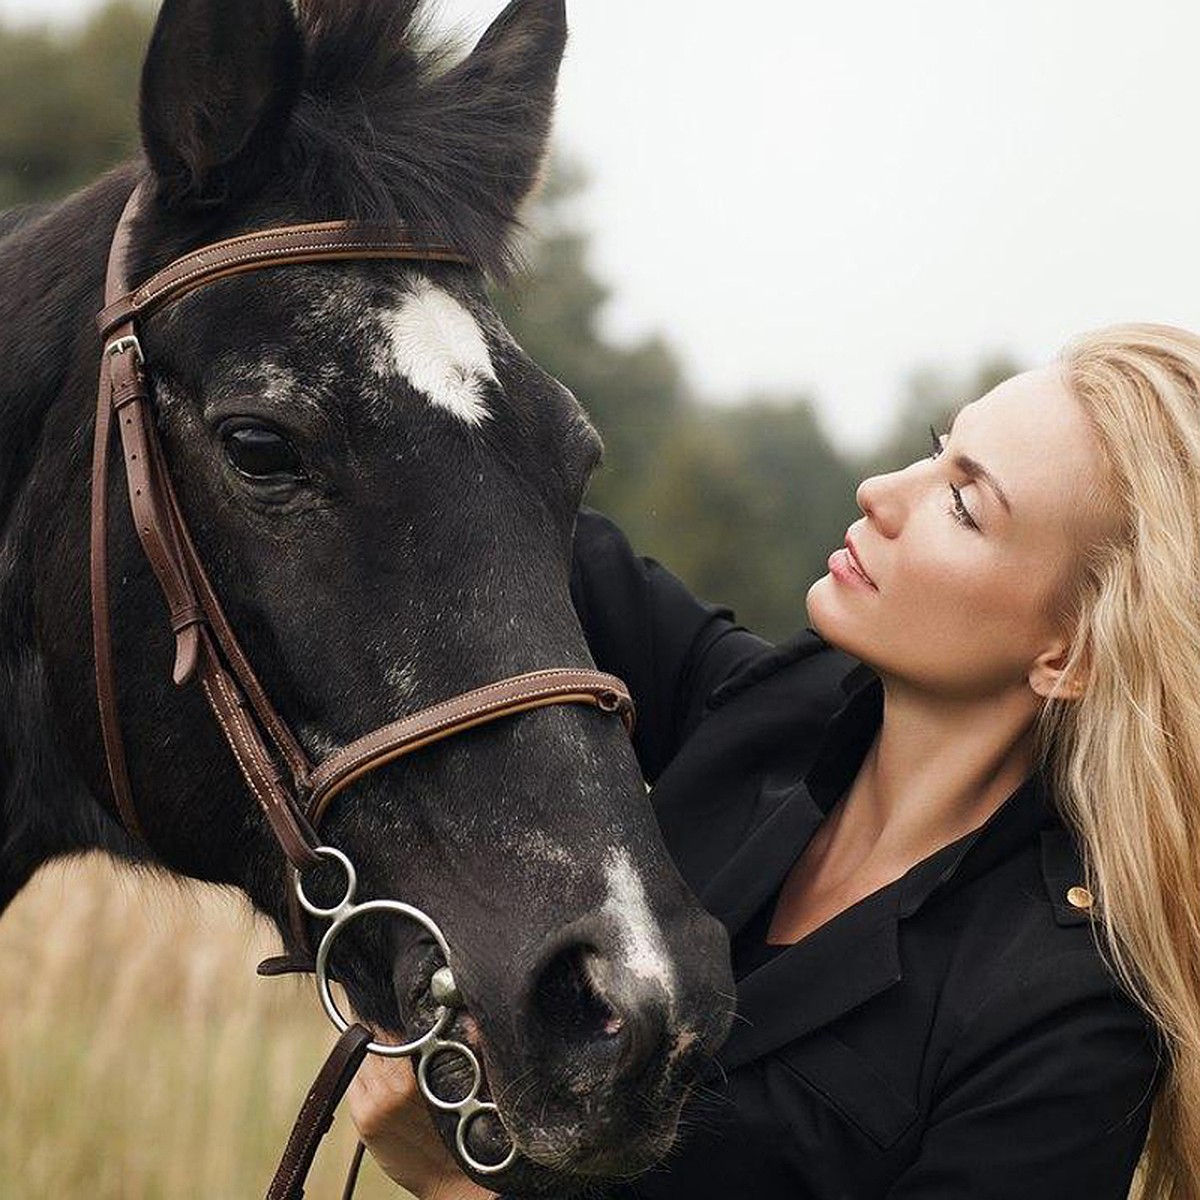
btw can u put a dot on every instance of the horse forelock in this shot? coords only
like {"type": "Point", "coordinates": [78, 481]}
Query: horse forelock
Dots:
{"type": "Point", "coordinates": [393, 123]}
{"type": "Point", "coordinates": [369, 44]}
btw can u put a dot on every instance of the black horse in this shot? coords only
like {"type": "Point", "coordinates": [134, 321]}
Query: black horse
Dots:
{"type": "Point", "coordinates": [383, 488]}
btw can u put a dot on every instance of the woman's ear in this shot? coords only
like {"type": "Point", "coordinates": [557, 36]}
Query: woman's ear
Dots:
{"type": "Point", "coordinates": [1048, 675]}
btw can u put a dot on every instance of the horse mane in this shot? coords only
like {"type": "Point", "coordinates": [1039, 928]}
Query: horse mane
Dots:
{"type": "Point", "coordinates": [394, 125]}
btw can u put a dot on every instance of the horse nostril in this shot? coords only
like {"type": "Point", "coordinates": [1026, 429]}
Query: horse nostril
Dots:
{"type": "Point", "coordinates": [569, 997]}
{"type": "Point", "coordinates": [582, 1004]}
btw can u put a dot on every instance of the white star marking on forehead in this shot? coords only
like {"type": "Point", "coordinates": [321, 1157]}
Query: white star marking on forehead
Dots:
{"type": "Point", "coordinates": [438, 347]}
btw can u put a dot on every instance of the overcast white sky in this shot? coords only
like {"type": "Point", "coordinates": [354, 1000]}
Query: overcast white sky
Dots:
{"type": "Point", "coordinates": [819, 195]}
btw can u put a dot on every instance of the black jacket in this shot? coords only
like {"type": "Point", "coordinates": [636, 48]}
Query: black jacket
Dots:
{"type": "Point", "coordinates": [956, 1033]}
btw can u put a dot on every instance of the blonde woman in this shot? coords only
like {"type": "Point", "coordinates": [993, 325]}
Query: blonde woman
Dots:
{"type": "Point", "coordinates": [962, 879]}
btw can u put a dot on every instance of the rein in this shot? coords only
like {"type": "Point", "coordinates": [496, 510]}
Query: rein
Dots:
{"type": "Point", "coordinates": [292, 791]}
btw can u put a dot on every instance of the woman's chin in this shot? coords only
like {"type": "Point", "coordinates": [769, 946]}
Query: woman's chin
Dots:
{"type": "Point", "coordinates": [828, 616]}
{"type": "Point", "coordinates": [822, 606]}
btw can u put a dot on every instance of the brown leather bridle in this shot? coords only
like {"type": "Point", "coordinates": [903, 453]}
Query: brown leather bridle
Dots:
{"type": "Point", "coordinates": [292, 791]}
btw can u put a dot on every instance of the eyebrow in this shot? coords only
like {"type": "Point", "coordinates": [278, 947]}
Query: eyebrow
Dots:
{"type": "Point", "coordinates": [973, 469]}
{"type": "Point", "coordinates": [976, 470]}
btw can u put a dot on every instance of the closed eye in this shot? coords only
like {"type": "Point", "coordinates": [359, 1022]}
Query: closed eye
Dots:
{"type": "Point", "coordinates": [958, 510]}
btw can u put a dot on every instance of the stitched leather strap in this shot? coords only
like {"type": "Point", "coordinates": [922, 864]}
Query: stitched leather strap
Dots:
{"type": "Point", "coordinates": [480, 707]}
{"type": "Point", "coordinates": [316, 1114]}
{"type": "Point", "coordinates": [106, 697]}
{"type": "Point", "coordinates": [281, 735]}
{"type": "Point", "coordinates": [327, 241]}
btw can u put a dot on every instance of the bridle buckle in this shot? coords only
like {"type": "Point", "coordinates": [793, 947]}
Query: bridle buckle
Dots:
{"type": "Point", "coordinates": [124, 345]}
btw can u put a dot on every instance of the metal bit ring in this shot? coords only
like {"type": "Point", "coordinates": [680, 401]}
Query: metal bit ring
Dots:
{"type": "Point", "coordinates": [468, 1108]}
{"type": "Point", "coordinates": [430, 1043]}
{"type": "Point", "coordinates": [345, 916]}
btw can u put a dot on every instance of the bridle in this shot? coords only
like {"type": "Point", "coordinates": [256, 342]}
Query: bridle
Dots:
{"type": "Point", "coordinates": [292, 791]}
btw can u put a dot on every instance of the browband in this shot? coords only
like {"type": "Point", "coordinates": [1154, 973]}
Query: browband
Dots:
{"type": "Point", "coordinates": [327, 241]}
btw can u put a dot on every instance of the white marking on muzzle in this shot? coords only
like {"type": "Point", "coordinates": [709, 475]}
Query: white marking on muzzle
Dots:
{"type": "Point", "coordinates": [438, 347]}
{"type": "Point", "coordinates": [644, 952]}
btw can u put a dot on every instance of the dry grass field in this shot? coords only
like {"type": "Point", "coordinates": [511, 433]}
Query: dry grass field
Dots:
{"type": "Point", "coordinates": [140, 1056]}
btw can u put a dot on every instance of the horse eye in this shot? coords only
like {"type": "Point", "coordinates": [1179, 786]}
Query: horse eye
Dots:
{"type": "Point", "coordinates": [262, 453]}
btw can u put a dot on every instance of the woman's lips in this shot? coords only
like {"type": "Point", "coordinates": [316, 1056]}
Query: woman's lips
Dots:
{"type": "Point", "coordinates": [845, 569]}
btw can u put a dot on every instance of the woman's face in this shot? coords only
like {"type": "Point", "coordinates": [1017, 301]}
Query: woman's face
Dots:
{"type": "Point", "coordinates": [968, 550]}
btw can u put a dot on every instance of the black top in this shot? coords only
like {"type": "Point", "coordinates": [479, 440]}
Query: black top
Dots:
{"type": "Point", "coordinates": [954, 1034]}
{"type": "Point", "coordinates": [750, 948]}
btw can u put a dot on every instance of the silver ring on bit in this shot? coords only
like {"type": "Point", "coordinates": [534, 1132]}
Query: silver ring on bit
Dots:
{"type": "Point", "coordinates": [430, 1043]}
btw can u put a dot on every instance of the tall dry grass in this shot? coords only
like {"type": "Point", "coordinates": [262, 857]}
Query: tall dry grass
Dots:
{"type": "Point", "coordinates": [140, 1057]}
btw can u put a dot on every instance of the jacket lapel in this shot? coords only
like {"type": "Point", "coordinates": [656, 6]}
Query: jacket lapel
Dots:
{"type": "Point", "coordinates": [845, 962]}
{"type": "Point", "coordinates": [832, 971]}
{"type": "Point", "coordinates": [855, 956]}
{"type": "Point", "coordinates": [787, 812]}
{"type": "Point", "coordinates": [784, 820]}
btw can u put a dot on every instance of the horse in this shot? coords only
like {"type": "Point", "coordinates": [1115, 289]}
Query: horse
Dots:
{"type": "Point", "coordinates": [382, 487]}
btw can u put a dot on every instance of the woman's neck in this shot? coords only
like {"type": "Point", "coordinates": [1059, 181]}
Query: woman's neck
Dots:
{"type": "Point", "coordinates": [937, 769]}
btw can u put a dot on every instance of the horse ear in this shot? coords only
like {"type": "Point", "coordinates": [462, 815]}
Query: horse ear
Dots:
{"type": "Point", "coordinates": [503, 93]}
{"type": "Point", "coordinates": [219, 84]}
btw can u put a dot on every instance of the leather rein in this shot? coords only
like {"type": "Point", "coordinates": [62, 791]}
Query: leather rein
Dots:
{"type": "Point", "coordinates": [292, 791]}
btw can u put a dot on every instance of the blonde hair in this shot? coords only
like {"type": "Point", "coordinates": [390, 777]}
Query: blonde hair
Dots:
{"type": "Point", "coordinates": [1125, 756]}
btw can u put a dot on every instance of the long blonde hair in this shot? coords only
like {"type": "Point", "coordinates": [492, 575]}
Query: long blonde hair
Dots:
{"type": "Point", "coordinates": [1125, 757]}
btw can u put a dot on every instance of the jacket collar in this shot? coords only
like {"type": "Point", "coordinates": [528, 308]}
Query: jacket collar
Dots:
{"type": "Point", "coordinates": [856, 957]}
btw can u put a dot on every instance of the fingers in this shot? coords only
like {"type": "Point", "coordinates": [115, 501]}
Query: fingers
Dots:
{"type": "Point", "coordinates": [394, 1124]}
{"type": "Point", "coordinates": [384, 1099]}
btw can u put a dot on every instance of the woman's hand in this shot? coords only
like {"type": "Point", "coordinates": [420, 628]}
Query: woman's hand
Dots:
{"type": "Point", "coordinates": [395, 1126]}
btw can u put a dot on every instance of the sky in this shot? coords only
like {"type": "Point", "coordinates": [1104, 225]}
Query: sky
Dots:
{"type": "Point", "coordinates": [823, 197]}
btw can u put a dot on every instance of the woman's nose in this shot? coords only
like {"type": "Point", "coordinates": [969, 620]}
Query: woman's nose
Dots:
{"type": "Point", "coordinates": [882, 499]}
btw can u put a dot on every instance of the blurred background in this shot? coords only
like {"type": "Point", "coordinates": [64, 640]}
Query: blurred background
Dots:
{"type": "Point", "coordinates": [776, 243]}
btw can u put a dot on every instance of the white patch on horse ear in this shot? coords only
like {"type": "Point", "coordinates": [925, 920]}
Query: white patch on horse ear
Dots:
{"type": "Point", "coordinates": [644, 954]}
{"type": "Point", "coordinates": [438, 347]}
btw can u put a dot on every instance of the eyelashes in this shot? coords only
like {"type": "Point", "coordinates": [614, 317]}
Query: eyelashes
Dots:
{"type": "Point", "coordinates": [958, 510]}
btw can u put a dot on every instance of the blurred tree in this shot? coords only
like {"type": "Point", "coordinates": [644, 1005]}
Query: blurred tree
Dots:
{"type": "Point", "coordinates": [636, 395]}
{"type": "Point", "coordinates": [743, 501]}
{"type": "Point", "coordinates": [68, 100]}
{"type": "Point", "coordinates": [746, 503]}
{"type": "Point", "coordinates": [931, 398]}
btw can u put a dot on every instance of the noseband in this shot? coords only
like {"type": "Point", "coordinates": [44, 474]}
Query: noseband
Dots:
{"type": "Point", "coordinates": [292, 791]}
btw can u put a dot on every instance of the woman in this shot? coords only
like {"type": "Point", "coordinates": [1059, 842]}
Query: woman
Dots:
{"type": "Point", "coordinates": [962, 880]}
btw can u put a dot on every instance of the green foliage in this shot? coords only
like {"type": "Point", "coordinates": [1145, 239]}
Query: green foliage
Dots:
{"type": "Point", "coordinates": [68, 101]}
{"type": "Point", "coordinates": [744, 501]}
{"type": "Point", "coordinates": [636, 395]}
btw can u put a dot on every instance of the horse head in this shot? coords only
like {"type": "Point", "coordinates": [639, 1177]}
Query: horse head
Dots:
{"type": "Point", "coordinates": [382, 486]}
